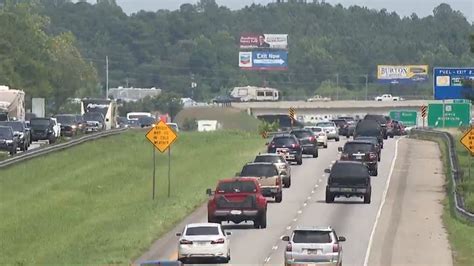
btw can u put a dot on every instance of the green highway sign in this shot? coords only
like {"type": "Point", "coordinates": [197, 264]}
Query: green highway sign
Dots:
{"type": "Point", "coordinates": [408, 118]}
{"type": "Point", "coordinates": [455, 114]}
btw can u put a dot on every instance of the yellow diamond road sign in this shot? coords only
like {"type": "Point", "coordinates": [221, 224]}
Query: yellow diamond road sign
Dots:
{"type": "Point", "coordinates": [161, 136]}
{"type": "Point", "coordinates": [468, 140]}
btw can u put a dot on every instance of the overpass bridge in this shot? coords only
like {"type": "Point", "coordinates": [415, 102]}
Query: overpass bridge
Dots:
{"type": "Point", "coordinates": [313, 111]}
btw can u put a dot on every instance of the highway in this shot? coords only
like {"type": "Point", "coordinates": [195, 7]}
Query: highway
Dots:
{"type": "Point", "coordinates": [303, 204]}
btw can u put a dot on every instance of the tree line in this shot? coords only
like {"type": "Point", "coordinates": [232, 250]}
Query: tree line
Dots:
{"type": "Point", "coordinates": [329, 47]}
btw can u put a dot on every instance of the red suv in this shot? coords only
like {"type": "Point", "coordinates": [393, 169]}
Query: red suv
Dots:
{"type": "Point", "coordinates": [237, 200]}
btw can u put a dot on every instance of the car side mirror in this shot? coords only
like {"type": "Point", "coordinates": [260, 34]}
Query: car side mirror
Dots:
{"type": "Point", "coordinates": [178, 234]}
{"type": "Point", "coordinates": [327, 171]}
{"type": "Point", "coordinates": [339, 149]}
{"type": "Point", "coordinates": [209, 191]}
{"type": "Point", "coordinates": [285, 238]}
{"type": "Point", "coordinates": [341, 239]}
{"type": "Point", "coordinates": [228, 233]}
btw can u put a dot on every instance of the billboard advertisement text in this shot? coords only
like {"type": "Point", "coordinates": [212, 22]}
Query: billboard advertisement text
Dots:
{"type": "Point", "coordinates": [404, 74]}
{"type": "Point", "coordinates": [263, 60]}
{"type": "Point", "coordinates": [449, 83]}
{"type": "Point", "coordinates": [265, 41]}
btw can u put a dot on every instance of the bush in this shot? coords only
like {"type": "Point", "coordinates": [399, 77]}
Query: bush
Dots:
{"type": "Point", "coordinates": [268, 127]}
{"type": "Point", "coordinates": [189, 124]}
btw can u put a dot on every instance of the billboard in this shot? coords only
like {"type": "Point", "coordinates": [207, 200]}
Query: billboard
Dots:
{"type": "Point", "coordinates": [404, 74]}
{"type": "Point", "coordinates": [263, 60]}
{"type": "Point", "coordinates": [448, 82]}
{"type": "Point", "coordinates": [264, 41]}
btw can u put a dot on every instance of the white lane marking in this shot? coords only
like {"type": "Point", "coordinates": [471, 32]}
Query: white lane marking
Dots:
{"type": "Point", "coordinates": [379, 212]}
{"type": "Point", "coordinates": [323, 175]}
{"type": "Point", "coordinates": [332, 162]}
{"type": "Point", "coordinates": [267, 259]}
{"type": "Point", "coordinates": [320, 180]}
{"type": "Point", "coordinates": [308, 198]}
{"type": "Point", "coordinates": [288, 228]}
{"type": "Point", "coordinates": [300, 211]}
{"type": "Point", "coordinates": [304, 204]}
{"type": "Point", "coordinates": [294, 220]}
{"type": "Point", "coordinates": [312, 191]}
{"type": "Point", "coordinates": [275, 247]}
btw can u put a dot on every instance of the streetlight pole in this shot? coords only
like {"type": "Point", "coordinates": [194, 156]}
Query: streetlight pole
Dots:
{"type": "Point", "coordinates": [366, 87]}
{"type": "Point", "coordinates": [106, 77]}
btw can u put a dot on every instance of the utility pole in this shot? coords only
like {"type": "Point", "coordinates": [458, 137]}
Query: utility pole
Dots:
{"type": "Point", "coordinates": [106, 77]}
{"type": "Point", "coordinates": [366, 87]}
{"type": "Point", "coordinates": [337, 87]}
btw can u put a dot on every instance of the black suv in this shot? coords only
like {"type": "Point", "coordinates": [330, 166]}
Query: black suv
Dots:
{"type": "Point", "coordinates": [287, 145]}
{"type": "Point", "coordinates": [307, 140]}
{"type": "Point", "coordinates": [343, 127]}
{"type": "Point", "coordinates": [69, 124]}
{"type": "Point", "coordinates": [361, 151]}
{"type": "Point", "coordinates": [21, 131]}
{"type": "Point", "coordinates": [42, 129]}
{"type": "Point", "coordinates": [369, 128]}
{"type": "Point", "coordinates": [348, 179]}
{"type": "Point", "coordinates": [8, 140]}
{"type": "Point", "coordinates": [374, 141]}
{"type": "Point", "coordinates": [382, 120]}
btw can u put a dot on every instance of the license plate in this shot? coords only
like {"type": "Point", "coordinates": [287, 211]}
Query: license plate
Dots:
{"type": "Point", "coordinates": [235, 212]}
{"type": "Point", "coordinates": [314, 251]}
{"type": "Point", "coordinates": [346, 189]}
{"type": "Point", "coordinates": [358, 157]}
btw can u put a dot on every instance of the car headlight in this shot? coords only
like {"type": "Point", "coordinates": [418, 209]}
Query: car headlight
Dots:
{"type": "Point", "coordinates": [73, 126]}
{"type": "Point", "coordinates": [8, 141]}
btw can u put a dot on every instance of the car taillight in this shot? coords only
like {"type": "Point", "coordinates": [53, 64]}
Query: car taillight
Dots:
{"type": "Point", "coordinates": [278, 182]}
{"type": "Point", "coordinates": [272, 145]}
{"type": "Point", "coordinates": [295, 146]}
{"type": "Point", "coordinates": [185, 242]}
{"type": "Point", "coordinates": [372, 156]}
{"type": "Point", "coordinates": [218, 241]}
{"type": "Point", "coordinates": [335, 248]}
{"type": "Point", "coordinates": [312, 139]}
{"type": "Point", "coordinates": [289, 247]}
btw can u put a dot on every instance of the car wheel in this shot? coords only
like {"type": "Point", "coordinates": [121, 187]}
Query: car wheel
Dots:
{"type": "Point", "coordinates": [391, 136]}
{"type": "Point", "coordinates": [379, 158]}
{"type": "Point", "coordinates": [299, 161]}
{"type": "Point", "coordinates": [263, 220]}
{"type": "Point", "coordinates": [375, 172]}
{"type": "Point", "coordinates": [279, 197]}
{"type": "Point", "coordinates": [367, 198]}
{"type": "Point", "coordinates": [326, 146]}
{"type": "Point", "coordinates": [315, 153]}
{"type": "Point", "coordinates": [337, 139]}
{"type": "Point", "coordinates": [329, 197]}
{"type": "Point", "coordinates": [289, 181]}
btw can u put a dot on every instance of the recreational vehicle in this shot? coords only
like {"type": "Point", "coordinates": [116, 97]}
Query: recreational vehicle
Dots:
{"type": "Point", "coordinates": [108, 108]}
{"type": "Point", "coordinates": [257, 94]}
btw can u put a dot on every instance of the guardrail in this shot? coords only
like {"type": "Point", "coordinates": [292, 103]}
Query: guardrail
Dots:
{"type": "Point", "coordinates": [456, 173]}
{"type": "Point", "coordinates": [57, 147]}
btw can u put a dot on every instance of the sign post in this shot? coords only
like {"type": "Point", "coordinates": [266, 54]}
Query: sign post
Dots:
{"type": "Point", "coordinates": [162, 137]}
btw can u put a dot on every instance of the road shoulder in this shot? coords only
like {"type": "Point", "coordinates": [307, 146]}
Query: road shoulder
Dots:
{"type": "Point", "coordinates": [410, 229]}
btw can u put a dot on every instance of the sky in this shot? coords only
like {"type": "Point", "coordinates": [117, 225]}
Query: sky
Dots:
{"type": "Point", "coordinates": [403, 7]}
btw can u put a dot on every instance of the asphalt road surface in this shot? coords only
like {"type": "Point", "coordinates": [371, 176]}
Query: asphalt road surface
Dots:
{"type": "Point", "coordinates": [303, 204]}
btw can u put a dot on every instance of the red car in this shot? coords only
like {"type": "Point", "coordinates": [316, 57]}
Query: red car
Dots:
{"type": "Point", "coordinates": [237, 200]}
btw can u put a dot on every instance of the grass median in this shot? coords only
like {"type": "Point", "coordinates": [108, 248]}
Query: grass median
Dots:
{"type": "Point", "coordinates": [92, 204]}
{"type": "Point", "coordinates": [460, 232]}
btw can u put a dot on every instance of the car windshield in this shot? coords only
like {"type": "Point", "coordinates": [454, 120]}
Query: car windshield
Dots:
{"type": "Point", "coordinates": [379, 118]}
{"type": "Point", "coordinates": [40, 122]}
{"type": "Point", "coordinates": [340, 122]}
{"type": "Point", "coordinates": [267, 159]}
{"type": "Point", "coordinates": [202, 230]}
{"type": "Point", "coordinates": [5, 132]}
{"type": "Point", "coordinates": [325, 124]}
{"type": "Point", "coordinates": [265, 170]}
{"type": "Point", "coordinates": [302, 134]}
{"type": "Point", "coordinates": [284, 141]}
{"type": "Point", "coordinates": [368, 128]}
{"type": "Point", "coordinates": [93, 116]}
{"type": "Point", "coordinates": [316, 129]}
{"type": "Point", "coordinates": [371, 139]}
{"type": "Point", "coordinates": [352, 147]}
{"type": "Point", "coordinates": [66, 119]}
{"type": "Point", "coordinates": [349, 170]}
{"type": "Point", "coordinates": [312, 236]}
{"type": "Point", "coordinates": [236, 187]}
{"type": "Point", "coordinates": [16, 126]}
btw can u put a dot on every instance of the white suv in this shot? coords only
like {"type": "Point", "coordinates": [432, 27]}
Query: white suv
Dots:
{"type": "Point", "coordinates": [313, 245]}
{"type": "Point", "coordinates": [56, 127]}
{"type": "Point", "coordinates": [330, 129]}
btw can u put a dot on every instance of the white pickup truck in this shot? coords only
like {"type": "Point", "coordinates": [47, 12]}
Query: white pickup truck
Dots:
{"type": "Point", "coordinates": [388, 98]}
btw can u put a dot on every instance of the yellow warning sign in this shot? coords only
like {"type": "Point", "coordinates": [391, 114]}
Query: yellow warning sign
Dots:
{"type": "Point", "coordinates": [161, 136]}
{"type": "Point", "coordinates": [468, 140]}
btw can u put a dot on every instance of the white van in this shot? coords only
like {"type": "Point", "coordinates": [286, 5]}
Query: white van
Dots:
{"type": "Point", "coordinates": [208, 125]}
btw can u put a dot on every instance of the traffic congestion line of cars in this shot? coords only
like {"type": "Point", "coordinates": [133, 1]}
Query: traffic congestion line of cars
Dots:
{"type": "Point", "coordinates": [245, 197]}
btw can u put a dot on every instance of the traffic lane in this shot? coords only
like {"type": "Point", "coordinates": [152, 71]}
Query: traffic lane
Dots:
{"type": "Point", "coordinates": [253, 246]}
{"type": "Point", "coordinates": [249, 245]}
{"type": "Point", "coordinates": [349, 217]}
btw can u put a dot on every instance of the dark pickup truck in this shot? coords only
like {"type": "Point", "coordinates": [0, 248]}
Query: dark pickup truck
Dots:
{"type": "Point", "coordinates": [347, 178]}
{"type": "Point", "coordinates": [237, 200]}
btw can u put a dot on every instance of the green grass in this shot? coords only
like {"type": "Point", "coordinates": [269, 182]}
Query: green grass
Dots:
{"type": "Point", "coordinates": [467, 185]}
{"type": "Point", "coordinates": [92, 204]}
{"type": "Point", "coordinates": [460, 232]}
{"type": "Point", "coordinates": [230, 118]}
